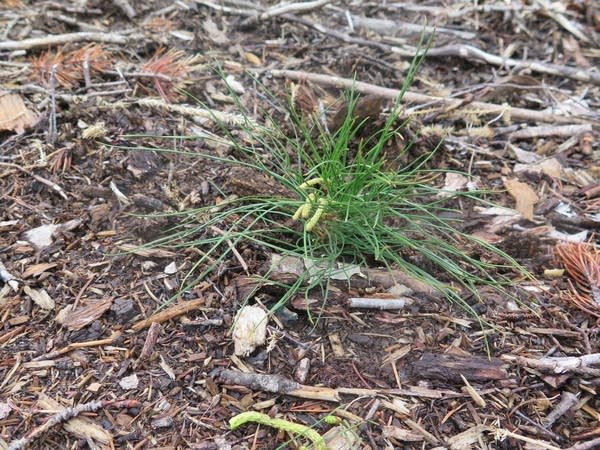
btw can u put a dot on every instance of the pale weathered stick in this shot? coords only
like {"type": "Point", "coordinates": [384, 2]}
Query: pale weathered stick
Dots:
{"type": "Point", "coordinates": [559, 365]}
{"type": "Point", "coordinates": [552, 12]}
{"type": "Point", "coordinates": [411, 97]}
{"type": "Point", "coordinates": [379, 303]}
{"type": "Point", "coordinates": [286, 8]}
{"type": "Point", "coordinates": [470, 52]}
{"type": "Point", "coordinates": [68, 413]}
{"type": "Point", "coordinates": [395, 27]}
{"type": "Point", "coordinates": [460, 51]}
{"type": "Point", "coordinates": [8, 278]}
{"type": "Point", "coordinates": [58, 39]}
{"type": "Point", "coordinates": [551, 130]}
{"type": "Point", "coordinates": [124, 6]}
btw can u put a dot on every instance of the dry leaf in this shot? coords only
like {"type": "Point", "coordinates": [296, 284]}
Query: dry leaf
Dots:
{"type": "Point", "coordinates": [5, 410]}
{"type": "Point", "coordinates": [168, 370]}
{"type": "Point", "coordinates": [41, 236]}
{"type": "Point", "coordinates": [571, 48]}
{"type": "Point", "coordinates": [252, 59]}
{"type": "Point", "coordinates": [130, 382]}
{"type": "Point", "coordinates": [14, 115]}
{"type": "Point", "coordinates": [551, 167]}
{"type": "Point", "coordinates": [524, 195]}
{"type": "Point", "coordinates": [37, 269]}
{"type": "Point", "coordinates": [249, 330]}
{"type": "Point", "coordinates": [213, 32]}
{"type": "Point", "coordinates": [79, 317]}
{"type": "Point", "coordinates": [402, 434]}
{"type": "Point", "coordinates": [184, 35]}
{"type": "Point", "coordinates": [147, 252]}
{"type": "Point", "coordinates": [234, 85]}
{"type": "Point", "coordinates": [40, 297]}
{"type": "Point", "coordinates": [454, 182]}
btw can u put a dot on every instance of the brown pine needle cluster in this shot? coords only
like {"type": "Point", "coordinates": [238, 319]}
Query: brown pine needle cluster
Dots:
{"type": "Point", "coordinates": [582, 263]}
{"type": "Point", "coordinates": [49, 68]}
{"type": "Point", "coordinates": [160, 24]}
{"type": "Point", "coordinates": [92, 55]}
{"type": "Point", "coordinates": [167, 69]}
{"type": "Point", "coordinates": [68, 69]}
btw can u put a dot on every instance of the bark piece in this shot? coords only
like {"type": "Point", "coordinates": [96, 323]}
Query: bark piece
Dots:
{"type": "Point", "coordinates": [451, 367]}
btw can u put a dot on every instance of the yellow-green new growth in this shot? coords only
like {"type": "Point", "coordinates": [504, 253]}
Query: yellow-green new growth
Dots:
{"type": "Point", "coordinates": [310, 183]}
{"type": "Point", "coordinates": [280, 424]}
{"type": "Point", "coordinates": [317, 215]}
{"type": "Point", "coordinates": [305, 209]}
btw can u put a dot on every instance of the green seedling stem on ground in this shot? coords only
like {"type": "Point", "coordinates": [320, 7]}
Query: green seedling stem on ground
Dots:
{"type": "Point", "coordinates": [289, 427]}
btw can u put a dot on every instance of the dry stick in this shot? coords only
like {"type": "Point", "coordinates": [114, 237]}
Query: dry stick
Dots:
{"type": "Point", "coordinates": [124, 6]}
{"type": "Point", "coordinates": [567, 401]}
{"type": "Point", "coordinates": [151, 338]}
{"type": "Point", "coordinates": [410, 97]}
{"type": "Point", "coordinates": [75, 345]}
{"type": "Point", "coordinates": [277, 384]}
{"type": "Point", "coordinates": [225, 9]}
{"type": "Point", "coordinates": [386, 26]}
{"type": "Point", "coordinates": [49, 183]}
{"type": "Point", "coordinates": [461, 51]}
{"type": "Point", "coordinates": [379, 303]}
{"type": "Point", "coordinates": [551, 12]}
{"type": "Point", "coordinates": [550, 130]}
{"type": "Point", "coordinates": [58, 39]}
{"type": "Point", "coordinates": [67, 414]}
{"type": "Point", "coordinates": [52, 125]}
{"type": "Point", "coordinates": [174, 311]}
{"type": "Point", "coordinates": [444, 11]}
{"type": "Point", "coordinates": [316, 26]}
{"type": "Point", "coordinates": [537, 426]}
{"type": "Point", "coordinates": [208, 114]}
{"type": "Point", "coordinates": [70, 98]}
{"type": "Point", "coordinates": [559, 365]}
{"type": "Point", "coordinates": [470, 52]}
{"type": "Point", "coordinates": [73, 22]}
{"type": "Point", "coordinates": [594, 443]}
{"type": "Point", "coordinates": [232, 248]}
{"type": "Point", "coordinates": [300, 7]}
{"type": "Point", "coordinates": [11, 334]}
{"type": "Point", "coordinates": [503, 433]}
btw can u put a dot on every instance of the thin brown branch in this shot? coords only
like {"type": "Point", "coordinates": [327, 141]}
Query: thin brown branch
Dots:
{"type": "Point", "coordinates": [172, 312]}
{"type": "Point", "coordinates": [75, 345]}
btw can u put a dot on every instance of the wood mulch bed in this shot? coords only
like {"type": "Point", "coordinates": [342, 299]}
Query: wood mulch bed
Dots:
{"type": "Point", "coordinates": [90, 356]}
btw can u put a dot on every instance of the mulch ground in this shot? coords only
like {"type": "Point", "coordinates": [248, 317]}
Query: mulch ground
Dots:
{"type": "Point", "coordinates": [87, 359]}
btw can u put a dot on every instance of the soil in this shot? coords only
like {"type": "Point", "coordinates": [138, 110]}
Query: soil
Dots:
{"type": "Point", "coordinates": [100, 349]}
